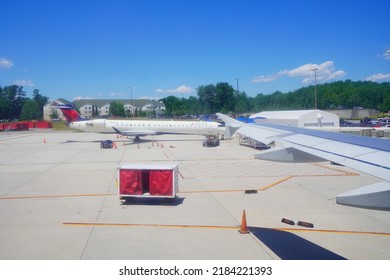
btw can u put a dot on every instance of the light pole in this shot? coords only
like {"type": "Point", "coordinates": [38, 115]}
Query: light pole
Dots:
{"type": "Point", "coordinates": [315, 87]}
{"type": "Point", "coordinates": [237, 84]}
{"type": "Point", "coordinates": [131, 101]}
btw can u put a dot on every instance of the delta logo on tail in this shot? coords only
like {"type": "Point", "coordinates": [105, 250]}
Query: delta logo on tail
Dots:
{"type": "Point", "coordinates": [70, 113]}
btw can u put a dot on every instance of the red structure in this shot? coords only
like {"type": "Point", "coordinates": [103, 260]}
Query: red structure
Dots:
{"type": "Point", "coordinates": [25, 125]}
{"type": "Point", "coordinates": [147, 180]}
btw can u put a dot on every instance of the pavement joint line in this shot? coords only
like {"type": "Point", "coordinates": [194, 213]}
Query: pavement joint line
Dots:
{"type": "Point", "coordinates": [55, 196]}
{"type": "Point", "coordinates": [150, 225]}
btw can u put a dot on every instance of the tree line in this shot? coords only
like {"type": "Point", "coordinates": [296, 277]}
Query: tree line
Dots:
{"type": "Point", "coordinates": [222, 97]}
{"type": "Point", "coordinates": [15, 105]}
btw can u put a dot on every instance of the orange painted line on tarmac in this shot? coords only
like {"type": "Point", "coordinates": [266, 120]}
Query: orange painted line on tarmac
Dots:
{"type": "Point", "coordinates": [55, 196]}
{"type": "Point", "coordinates": [212, 191]}
{"type": "Point", "coordinates": [241, 190]}
{"type": "Point", "coordinates": [334, 231]}
{"type": "Point", "coordinates": [220, 228]}
{"type": "Point", "coordinates": [276, 183]}
{"type": "Point", "coordinates": [347, 173]}
{"type": "Point", "coordinates": [150, 225]}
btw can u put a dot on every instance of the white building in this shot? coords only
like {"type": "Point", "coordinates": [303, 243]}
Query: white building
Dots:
{"type": "Point", "coordinates": [298, 118]}
{"type": "Point", "coordinates": [89, 107]}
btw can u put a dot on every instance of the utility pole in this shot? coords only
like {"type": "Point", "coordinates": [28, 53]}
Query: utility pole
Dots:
{"type": "Point", "coordinates": [315, 87]}
{"type": "Point", "coordinates": [131, 101]}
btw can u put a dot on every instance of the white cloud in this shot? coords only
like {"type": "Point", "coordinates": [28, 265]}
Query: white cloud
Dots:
{"type": "Point", "coordinates": [81, 98]}
{"type": "Point", "coordinates": [387, 54]}
{"type": "Point", "coordinates": [24, 83]}
{"type": "Point", "coordinates": [325, 72]}
{"type": "Point", "coordinates": [181, 89]}
{"type": "Point", "coordinates": [378, 77]}
{"type": "Point", "coordinates": [264, 79]}
{"type": "Point", "coordinates": [5, 63]}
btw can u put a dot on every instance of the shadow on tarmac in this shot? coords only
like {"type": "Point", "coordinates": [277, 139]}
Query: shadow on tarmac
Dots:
{"type": "Point", "coordinates": [153, 201]}
{"type": "Point", "coordinates": [289, 246]}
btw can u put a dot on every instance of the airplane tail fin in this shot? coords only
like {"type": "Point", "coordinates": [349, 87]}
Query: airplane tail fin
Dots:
{"type": "Point", "coordinates": [231, 124]}
{"type": "Point", "coordinates": [70, 113]}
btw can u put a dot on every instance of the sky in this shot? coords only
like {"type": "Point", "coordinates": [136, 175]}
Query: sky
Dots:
{"type": "Point", "coordinates": [122, 49]}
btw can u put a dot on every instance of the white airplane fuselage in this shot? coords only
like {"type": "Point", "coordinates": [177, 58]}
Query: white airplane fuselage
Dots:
{"type": "Point", "coordinates": [149, 127]}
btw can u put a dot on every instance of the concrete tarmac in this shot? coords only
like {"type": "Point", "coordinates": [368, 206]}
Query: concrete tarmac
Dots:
{"type": "Point", "coordinates": [58, 200]}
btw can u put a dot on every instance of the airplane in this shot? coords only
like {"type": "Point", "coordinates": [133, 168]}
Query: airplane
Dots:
{"type": "Point", "coordinates": [138, 128]}
{"type": "Point", "coordinates": [293, 144]}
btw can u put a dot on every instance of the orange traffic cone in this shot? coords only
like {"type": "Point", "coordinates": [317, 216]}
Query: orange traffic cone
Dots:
{"type": "Point", "coordinates": [244, 228]}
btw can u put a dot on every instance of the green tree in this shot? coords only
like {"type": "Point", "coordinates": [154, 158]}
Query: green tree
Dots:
{"type": "Point", "coordinates": [193, 106]}
{"type": "Point", "coordinates": [12, 99]}
{"type": "Point", "coordinates": [31, 111]}
{"type": "Point", "coordinates": [242, 103]}
{"type": "Point", "coordinates": [41, 101]}
{"type": "Point", "coordinates": [225, 100]}
{"type": "Point", "coordinates": [54, 115]}
{"type": "Point", "coordinates": [207, 98]}
{"type": "Point", "coordinates": [117, 109]}
{"type": "Point", "coordinates": [95, 111]}
{"type": "Point", "coordinates": [174, 106]}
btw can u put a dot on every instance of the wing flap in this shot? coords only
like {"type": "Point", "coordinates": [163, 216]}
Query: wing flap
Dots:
{"type": "Point", "coordinates": [287, 155]}
{"type": "Point", "coordinates": [376, 196]}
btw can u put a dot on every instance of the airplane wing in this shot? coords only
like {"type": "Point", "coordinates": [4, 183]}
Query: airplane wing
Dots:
{"type": "Point", "coordinates": [135, 132]}
{"type": "Point", "coordinates": [292, 144]}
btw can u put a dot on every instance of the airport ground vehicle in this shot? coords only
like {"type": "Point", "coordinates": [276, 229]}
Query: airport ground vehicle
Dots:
{"type": "Point", "coordinates": [149, 180]}
{"type": "Point", "coordinates": [211, 142]}
{"type": "Point", "coordinates": [106, 144]}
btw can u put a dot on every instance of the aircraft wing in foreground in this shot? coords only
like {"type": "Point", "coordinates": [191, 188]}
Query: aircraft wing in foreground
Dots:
{"type": "Point", "coordinates": [293, 144]}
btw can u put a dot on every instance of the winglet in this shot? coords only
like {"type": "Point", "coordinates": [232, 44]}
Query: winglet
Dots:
{"type": "Point", "coordinates": [231, 124]}
{"type": "Point", "coordinates": [70, 113]}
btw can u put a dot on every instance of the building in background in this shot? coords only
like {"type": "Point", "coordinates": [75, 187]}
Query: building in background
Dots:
{"type": "Point", "coordinates": [89, 108]}
{"type": "Point", "coordinates": [298, 118]}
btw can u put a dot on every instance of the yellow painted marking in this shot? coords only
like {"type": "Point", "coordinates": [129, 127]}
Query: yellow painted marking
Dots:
{"type": "Point", "coordinates": [55, 196]}
{"type": "Point", "coordinates": [212, 191]}
{"type": "Point", "coordinates": [242, 190]}
{"type": "Point", "coordinates": [334, 231]}
{"type": "Point", "coordinates": [347, 173]}
{"type": "Point", "coordinates": [221, 228]}
{"type": "Point", "coordinates": [275, 183]}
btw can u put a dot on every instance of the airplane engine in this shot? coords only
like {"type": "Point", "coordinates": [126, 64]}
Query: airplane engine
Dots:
{"type": "Point", "coordinates": [99, 122]}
